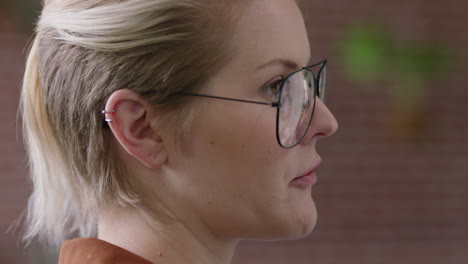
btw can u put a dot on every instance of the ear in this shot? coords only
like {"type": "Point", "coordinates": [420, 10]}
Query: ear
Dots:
{"type": "Point", "coordinates": [130, 123]}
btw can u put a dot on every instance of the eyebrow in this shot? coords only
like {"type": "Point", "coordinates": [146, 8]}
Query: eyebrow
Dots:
{"type": "Point", "coordinates": [285, 62]}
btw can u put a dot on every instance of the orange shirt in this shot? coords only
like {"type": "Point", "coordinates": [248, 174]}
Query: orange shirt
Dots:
{"type": "Point", "coordinates": [95, 251]}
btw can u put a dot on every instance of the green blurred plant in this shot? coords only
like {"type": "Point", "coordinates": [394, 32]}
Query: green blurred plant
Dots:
{"type": "Point", "coordinates": [371, 53]}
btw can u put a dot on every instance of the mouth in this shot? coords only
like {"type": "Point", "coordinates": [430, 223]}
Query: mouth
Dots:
{"type": "Point", "coordinates": [308, 178]}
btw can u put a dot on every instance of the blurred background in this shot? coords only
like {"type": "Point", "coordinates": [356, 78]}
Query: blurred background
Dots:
{"type": "Point", "coordinates": [393, 187]}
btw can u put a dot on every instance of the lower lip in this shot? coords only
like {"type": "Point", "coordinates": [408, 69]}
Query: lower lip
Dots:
{"type": "Point", "coordinates": [309, 179]}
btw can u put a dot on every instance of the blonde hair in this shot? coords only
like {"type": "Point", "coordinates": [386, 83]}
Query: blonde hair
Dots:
{"type": "Point", "coordinates": [83, 51]}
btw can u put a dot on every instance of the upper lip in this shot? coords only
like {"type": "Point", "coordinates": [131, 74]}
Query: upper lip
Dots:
{"type": "Point", "coordinates": [310, 169]}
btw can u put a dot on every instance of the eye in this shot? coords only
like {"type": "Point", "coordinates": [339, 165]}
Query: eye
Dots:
{"type": "Point", "coordinates": [273, 88]}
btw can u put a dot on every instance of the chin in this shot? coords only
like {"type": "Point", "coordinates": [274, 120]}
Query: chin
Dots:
{"type": "Point", "coordinates": [307, 228]}
{"type": "Point", "coordinates": [302, 228]}
{"type": "Point", "coordinates": [291, 226]}
{"type": "Point", "coordinates": [288, 232]}
{"type": "Point", "coordinates": [302, 222]}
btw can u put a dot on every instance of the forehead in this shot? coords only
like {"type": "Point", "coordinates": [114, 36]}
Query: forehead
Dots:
{"type": "Point", "coordinates": [269, 29]}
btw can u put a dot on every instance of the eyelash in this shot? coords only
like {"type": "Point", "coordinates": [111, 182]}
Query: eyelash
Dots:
{"type": "Point", "coordinates": [276, 83]}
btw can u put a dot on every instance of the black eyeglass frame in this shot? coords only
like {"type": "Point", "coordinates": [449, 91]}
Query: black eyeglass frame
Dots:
{"type": "Point", "coordinates": [277, 104]}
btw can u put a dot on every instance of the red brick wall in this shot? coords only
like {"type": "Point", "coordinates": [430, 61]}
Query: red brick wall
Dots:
{"type": "Point", "coordinates": [380, 200]}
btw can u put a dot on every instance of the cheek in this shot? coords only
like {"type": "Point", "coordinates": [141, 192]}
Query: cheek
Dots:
{"type": "Point", "coordinates": [237, 130]}
{"type": "Point", "coordinates": [237, 148]}
{"type": "Point", "coordinates": [238, 174]}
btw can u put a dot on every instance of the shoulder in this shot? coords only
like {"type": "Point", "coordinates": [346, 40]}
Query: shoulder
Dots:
{"type": "Point", "coordinates": [96, 251]}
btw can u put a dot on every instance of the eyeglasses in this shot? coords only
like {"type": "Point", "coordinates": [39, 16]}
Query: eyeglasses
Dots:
{"type": "Point", "coordinates": [296, 102]}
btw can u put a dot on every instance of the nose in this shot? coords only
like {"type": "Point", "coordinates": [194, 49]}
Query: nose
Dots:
{"type": "Point", "coordinates": [323, 123]}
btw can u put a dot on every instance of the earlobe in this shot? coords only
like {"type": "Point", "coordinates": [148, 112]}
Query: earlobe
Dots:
{"type": "Point", "coordinates": [130, 118]}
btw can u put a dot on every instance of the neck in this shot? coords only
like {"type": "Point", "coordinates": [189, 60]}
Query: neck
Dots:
{"type": "Point", "coordinates": [163, 242]}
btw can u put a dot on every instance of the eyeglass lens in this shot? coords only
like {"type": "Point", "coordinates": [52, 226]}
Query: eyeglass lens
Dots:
{"type": "Point", "coordinates": [297, 106]}
{"type": "Point", "coordinates": [323, 84]}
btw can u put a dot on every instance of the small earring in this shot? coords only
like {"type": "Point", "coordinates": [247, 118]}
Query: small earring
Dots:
{"type": "Point", "coordinates": [106, 112]}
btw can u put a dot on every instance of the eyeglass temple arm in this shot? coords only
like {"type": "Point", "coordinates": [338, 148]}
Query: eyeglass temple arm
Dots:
{"type": "Point", "coordinates": [230, 99]}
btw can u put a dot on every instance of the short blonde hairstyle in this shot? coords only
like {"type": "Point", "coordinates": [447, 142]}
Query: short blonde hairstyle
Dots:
{"type": "Point", "coordinates": [83, 51]}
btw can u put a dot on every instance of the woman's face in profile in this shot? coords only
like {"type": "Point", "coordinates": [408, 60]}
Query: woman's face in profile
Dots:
{"type": "Point", "coordinates": [236, 177]}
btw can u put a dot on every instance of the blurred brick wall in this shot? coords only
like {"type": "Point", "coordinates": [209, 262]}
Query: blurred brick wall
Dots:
{"type": "Point", "coordinates": [13, 188]}
{"type": "Point", "coordinates": [380, 200]}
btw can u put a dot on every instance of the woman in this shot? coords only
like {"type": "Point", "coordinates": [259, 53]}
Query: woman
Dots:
{"type": "Point", "coordinates": [171, 129]}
